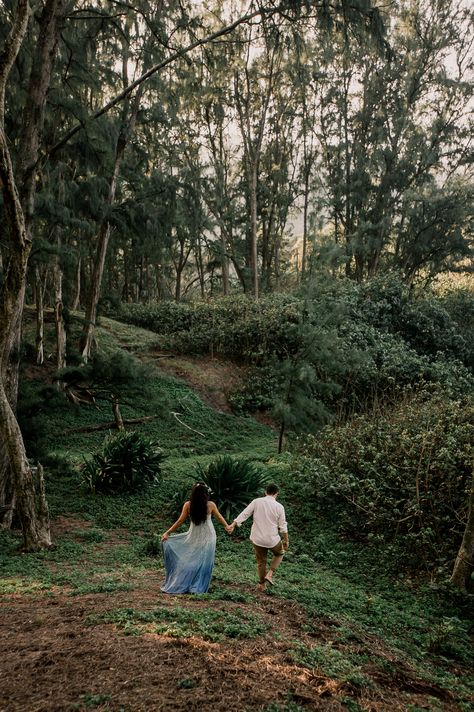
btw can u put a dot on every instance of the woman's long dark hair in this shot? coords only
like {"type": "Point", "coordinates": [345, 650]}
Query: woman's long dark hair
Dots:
{"type": "Point", "coordinates": [198, 503]}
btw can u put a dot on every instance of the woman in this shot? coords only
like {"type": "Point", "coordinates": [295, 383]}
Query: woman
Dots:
{"type": "Point", "coordinates": [189, 557]}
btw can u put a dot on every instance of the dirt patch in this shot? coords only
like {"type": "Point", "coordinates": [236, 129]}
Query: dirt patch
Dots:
{"type": "Point", "coordinates": [67, 525]}
{"type": "Point", "coordinates": [53, 660]}
{"type": "Point", "coordinates": [212, 379]}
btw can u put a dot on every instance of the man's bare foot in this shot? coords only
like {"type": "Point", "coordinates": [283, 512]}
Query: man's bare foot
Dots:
{"type": "Point", "coordinates": [269, 577]}
{"type": "Point", "coordinates": [261, 587]}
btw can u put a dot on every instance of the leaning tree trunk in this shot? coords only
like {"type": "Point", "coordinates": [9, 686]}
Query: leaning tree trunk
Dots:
{"type": "Point", "coordinates": [464, 565]}
{"type": "Point", "coordinates": [18, 205]}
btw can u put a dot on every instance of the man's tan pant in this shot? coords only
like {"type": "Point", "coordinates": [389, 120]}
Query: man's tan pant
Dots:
{"type": "Point", "coordinates": [261, 553]}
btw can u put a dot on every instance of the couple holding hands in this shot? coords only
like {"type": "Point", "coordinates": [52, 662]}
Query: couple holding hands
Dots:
{"type": "Point", "coordinates": [189, 557]}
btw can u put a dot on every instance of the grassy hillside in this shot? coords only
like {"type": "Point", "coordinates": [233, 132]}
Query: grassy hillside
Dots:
{"type": "Point", "coordinates": [86, 626]}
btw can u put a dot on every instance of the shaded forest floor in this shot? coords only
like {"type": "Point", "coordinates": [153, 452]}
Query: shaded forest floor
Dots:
{"type": "Point", "coordinates": [85, 626]}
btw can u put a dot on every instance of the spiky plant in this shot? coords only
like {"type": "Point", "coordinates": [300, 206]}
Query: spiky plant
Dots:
{"type": "Point", "coordinates": [233, 483]}
{"type": "Point", "coordinates": [126, 463]}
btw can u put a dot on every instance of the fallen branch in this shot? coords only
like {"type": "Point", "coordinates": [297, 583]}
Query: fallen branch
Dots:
{"type": "Point", "coordinates": [186, 426]}
{"type": "Point", "coordinates": [111, 426]}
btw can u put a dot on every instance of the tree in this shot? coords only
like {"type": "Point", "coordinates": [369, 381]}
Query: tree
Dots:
{"type": "Point", "coordinates": [18, 195]}
{"type": "Point", "coordinates": [394, 135]}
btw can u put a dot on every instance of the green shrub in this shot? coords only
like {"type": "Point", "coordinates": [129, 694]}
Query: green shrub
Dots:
{"type": "Point", "coordinates": [400, 477]}
{"type": "Point", "coordinates": [126, 463]}
{"type": "Point", "coordinates": [233, 483]}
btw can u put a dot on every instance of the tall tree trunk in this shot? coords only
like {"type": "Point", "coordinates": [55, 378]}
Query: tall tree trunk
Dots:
{"type": "Point", "coordinates": [305, 223]}
{"type": "Point", "coordinates": [30, 503]}
{"type": "Point", "coordinates": [464, 565]}
{"type": "Point", "coordinates": [88, 334]}
{"type": "Point", "coordinates": [253, 230]}
{"type": "Point", "coordinates": [39, 299]}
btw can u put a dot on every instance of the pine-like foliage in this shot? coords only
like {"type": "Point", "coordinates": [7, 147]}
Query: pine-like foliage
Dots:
{"type": "Point", "coordinates": [126, 463]}
{"type": "Point", "coordinates": [233, 483]}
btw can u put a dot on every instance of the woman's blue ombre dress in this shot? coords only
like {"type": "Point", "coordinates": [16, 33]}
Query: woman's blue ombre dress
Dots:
{"type": "Point", "coordinates": [189, 559]}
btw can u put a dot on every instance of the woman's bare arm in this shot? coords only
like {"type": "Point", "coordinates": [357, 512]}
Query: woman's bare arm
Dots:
{"type": "Point", "coordinates": [181, 519]}
{"type": "Point", "coordinates": [218, 515]}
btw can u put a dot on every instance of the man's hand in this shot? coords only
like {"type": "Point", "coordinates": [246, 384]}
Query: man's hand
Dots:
{"type": "Point", "coordinates": [230, 528]}
{"type": "Point", "coordinates": [286, 544]}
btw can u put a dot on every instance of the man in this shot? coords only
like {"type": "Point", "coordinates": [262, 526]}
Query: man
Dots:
{"type": "Point", "coordinates": [268, 521]}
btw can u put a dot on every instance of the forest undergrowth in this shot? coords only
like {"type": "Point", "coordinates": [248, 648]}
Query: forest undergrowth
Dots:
{"type": "Point", "coordinates": [84, 625]}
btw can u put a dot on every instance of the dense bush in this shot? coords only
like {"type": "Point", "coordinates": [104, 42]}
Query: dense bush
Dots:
{"type": "Point", "coordinates": [236, 326]}
{"type": "Point", "coordinates": [126, 463]}
{"type": "Point", "coordinates": [402, 476]}
{"type": "Point", "coordinates": [233, 483]}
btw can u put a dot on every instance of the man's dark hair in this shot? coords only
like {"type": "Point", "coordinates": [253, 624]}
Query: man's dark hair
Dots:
{"type": "Point", "coordinates": [271, 489]}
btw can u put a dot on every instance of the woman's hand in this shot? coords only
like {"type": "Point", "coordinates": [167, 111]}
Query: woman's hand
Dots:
{"type": "Point", "coordinates": [165, 536]}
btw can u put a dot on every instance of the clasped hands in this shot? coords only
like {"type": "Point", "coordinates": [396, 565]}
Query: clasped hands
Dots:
{"type": "Point", "coordinates": [230, 528]}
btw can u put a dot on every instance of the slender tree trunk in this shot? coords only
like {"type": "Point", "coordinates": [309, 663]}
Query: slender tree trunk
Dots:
{"type": "Point", "coordinates": [58, 311]}
{"type": "Point", "coordinates": [117, 414]}
{"type": "Point", "coordinates": [253, 230]}
{"type": "Point", "coordinates": [305, 224]}
{"type": "Point", "coordinates": [464, 565]}
{"type": "Point", "coordinates": [77, 294]}
{"type": "Point", "coordinates": [39, 298]}
{"type": "Point", "coordinates": [224, 264]}
{"type": "Point", "coordinates": [177, 289]}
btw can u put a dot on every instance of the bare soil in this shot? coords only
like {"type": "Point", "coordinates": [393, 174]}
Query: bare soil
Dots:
{"type": "Point", "coordinates": [211, 378]}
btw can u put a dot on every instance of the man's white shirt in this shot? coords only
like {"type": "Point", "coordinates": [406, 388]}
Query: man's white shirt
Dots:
{"type": "Point", "coordinates": [268, 520]}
